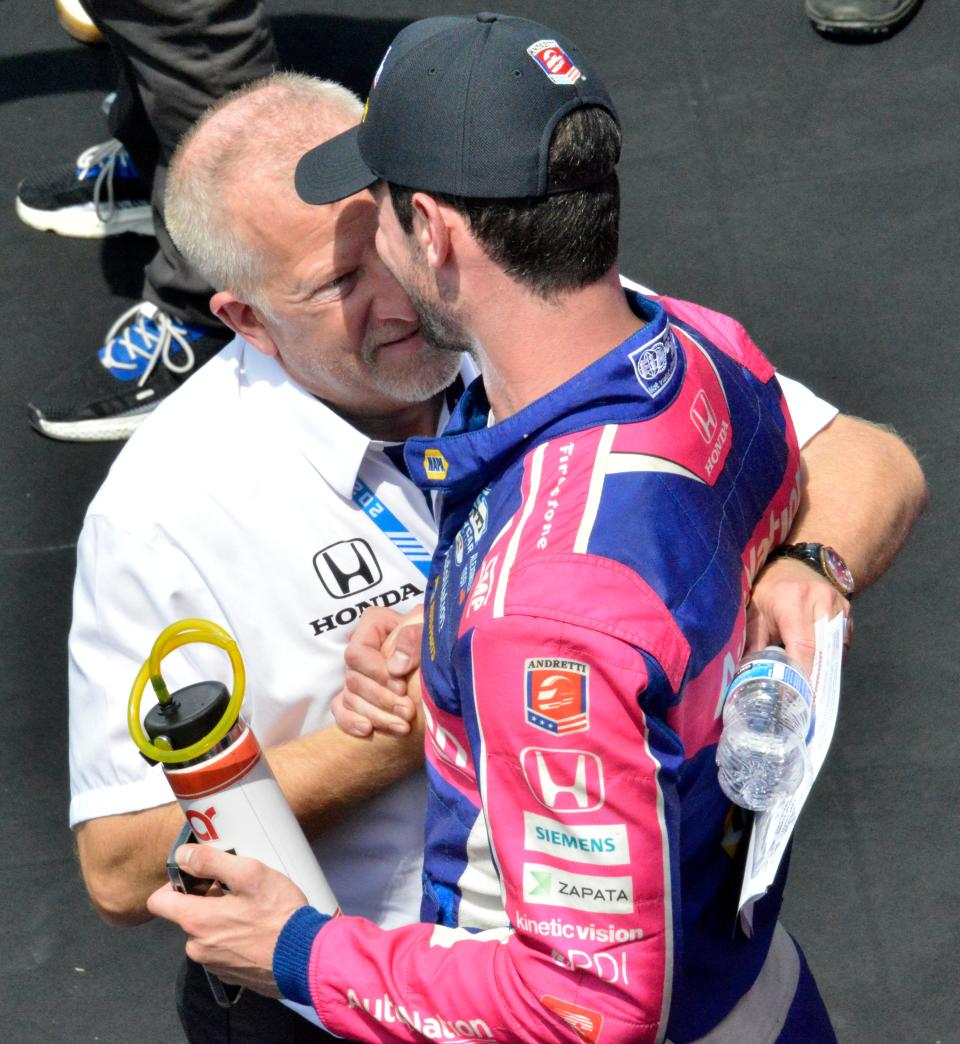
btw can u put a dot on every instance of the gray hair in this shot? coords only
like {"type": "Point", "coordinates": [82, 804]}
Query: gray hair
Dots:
{"type": "Point", "coordinates": [261, 129]}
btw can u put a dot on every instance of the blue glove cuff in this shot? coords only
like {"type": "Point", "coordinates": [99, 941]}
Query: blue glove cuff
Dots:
{"type": "Point", "coordinates": [291, 955]}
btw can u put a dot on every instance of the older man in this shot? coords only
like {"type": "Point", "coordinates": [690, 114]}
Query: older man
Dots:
{"type": "Point", "coordinates": [248, 499]}
{"type": "Point", "coordinates": [641, 644]}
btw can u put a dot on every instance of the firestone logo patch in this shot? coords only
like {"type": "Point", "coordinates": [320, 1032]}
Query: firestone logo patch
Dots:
{"type": "Point", "coordinates": [557, 696]}
{"type": "Point", "coordinates": [554, 61]}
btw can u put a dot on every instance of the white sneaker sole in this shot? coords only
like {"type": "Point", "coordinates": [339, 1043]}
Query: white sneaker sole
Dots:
{"type": "Point", "coordinates": [103, 429]}
{"type": "Point", "coordinates": [82, 222]}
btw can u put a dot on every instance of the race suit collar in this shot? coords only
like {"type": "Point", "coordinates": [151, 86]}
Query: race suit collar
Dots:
{"type": "Point", "coordinates": [634, 381]}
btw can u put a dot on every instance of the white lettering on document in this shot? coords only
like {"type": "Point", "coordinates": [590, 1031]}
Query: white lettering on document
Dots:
{"type": "Point", "coordinates": [601, 844]}
{"type": "Point", "coordinates": [436, 1027]}
{"type": "Point", "coordinates": [549, 886]}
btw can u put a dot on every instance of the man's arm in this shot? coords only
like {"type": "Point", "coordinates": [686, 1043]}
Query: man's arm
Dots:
{"type": "Point", "coordinates": [862, 494]}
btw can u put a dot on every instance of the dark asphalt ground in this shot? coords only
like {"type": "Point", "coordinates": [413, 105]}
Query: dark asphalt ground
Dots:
{"type": "Point", "coordinates": [807, 187]}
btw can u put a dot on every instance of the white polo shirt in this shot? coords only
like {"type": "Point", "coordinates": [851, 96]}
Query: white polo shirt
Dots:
{"type": "Point", "coordinates": [234, 502]}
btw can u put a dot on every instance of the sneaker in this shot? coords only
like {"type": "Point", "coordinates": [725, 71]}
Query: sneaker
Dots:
{"type": "Point", "coordinates": [103, 196]}
{"type": "Point", "coordinates": [860, 19]}
{"type": "Point", "coordinates": [145, 356]}
{"type": "Point", "coordinates": [77, 22]}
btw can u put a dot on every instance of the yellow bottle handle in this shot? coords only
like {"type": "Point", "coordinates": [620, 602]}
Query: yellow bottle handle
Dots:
{"type": "Point", "coordinates": [183, 632]}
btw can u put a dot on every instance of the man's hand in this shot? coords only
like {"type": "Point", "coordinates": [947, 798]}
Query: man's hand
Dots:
{"type": "Point", "coordinates": [382, 657]}
{"type": "Point", "coordinates": [232, 935]}
{"type": "Point", "coordinates": [788, 598]}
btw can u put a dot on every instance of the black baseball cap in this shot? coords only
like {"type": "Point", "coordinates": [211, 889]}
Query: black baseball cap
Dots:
{"type": "Point", "coordinates": [463, 106]}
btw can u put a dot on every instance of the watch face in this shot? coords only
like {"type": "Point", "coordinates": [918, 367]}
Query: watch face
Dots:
{"type": "Point", "coordinates": [837, 570]}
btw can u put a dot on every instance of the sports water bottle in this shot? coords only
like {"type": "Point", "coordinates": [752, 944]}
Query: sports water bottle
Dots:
{"type": "Point", "coordinates": [216, 767]}
{"type": "Point", "coordinates": [767, 716]}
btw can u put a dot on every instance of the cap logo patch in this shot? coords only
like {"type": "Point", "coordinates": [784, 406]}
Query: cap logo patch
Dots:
{"type": "Point", "coordinates": [554, 61]}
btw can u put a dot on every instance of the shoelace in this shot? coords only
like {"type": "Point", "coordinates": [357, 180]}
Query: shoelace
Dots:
{"type": "Point", "coordinates": [159, 334]}
{"type": "Point", "coordinates": [106, 156]}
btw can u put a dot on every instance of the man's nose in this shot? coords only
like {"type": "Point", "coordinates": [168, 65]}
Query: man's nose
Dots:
{"type": "Point", "coordinates": [390, 299]}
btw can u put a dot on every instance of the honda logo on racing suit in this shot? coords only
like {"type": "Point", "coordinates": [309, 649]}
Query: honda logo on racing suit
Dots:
{"type": "Point", "coordinates": [703, 417]}
{"type": "Point", "coordinates": [347, 567]}
{"type": "Point", "coordinates": [564, 780]}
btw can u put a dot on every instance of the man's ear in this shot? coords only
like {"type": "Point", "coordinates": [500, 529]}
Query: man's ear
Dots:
{"type": "Point", "coordinates": [431, 229]}
{"type": "Point", "coordinates": [244, 320]}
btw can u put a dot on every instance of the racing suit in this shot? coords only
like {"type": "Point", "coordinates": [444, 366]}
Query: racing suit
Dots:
{"type": "Point", "coordinates": [585, 609]}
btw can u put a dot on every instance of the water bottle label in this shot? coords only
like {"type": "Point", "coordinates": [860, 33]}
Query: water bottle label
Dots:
{"type": "Point", "coordinates": [776, 671]}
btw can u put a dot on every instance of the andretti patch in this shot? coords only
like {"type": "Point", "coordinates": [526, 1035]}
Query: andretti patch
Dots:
{"type": "Point", "coordinates": [557, 699]}
{"type": "Point", "coordinates": [554, 61]}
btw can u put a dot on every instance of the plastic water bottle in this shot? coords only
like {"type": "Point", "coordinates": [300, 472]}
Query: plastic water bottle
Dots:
{"type": "Point", "coordinates": [767, 720]}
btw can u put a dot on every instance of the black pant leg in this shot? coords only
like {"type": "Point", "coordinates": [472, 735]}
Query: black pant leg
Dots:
{"type": "Point", "coordinates": [177, 58]}
{"type": "Point", "coordinates": [252, 1020]}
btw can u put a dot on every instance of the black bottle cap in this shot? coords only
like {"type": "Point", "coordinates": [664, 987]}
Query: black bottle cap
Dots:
{"type": "Point", "coordinates": [190, 715]}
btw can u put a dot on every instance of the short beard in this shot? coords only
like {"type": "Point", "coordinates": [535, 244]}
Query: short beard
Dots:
{"type": "Point", "coordinates": [435, 370]}
{"type": "Point", "coordinates": [437, 327]}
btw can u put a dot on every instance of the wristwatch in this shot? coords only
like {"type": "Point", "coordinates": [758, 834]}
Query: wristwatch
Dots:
{"type": "Point", "coordinates": [825, 560]}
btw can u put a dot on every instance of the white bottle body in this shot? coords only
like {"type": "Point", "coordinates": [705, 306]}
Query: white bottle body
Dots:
{"type": "Point", "coordinates": [232, 800]}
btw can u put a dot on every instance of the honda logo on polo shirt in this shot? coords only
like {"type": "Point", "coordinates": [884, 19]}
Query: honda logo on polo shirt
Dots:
{"type": "Point", "coordinates": [564, 780]}
{"type": "Point", "coordinates": [347, 567]}
{"type": "Point", "coordinates": [703, 417]}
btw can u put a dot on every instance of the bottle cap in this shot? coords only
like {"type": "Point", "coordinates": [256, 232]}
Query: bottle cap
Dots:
{"type": "Point", "coordinates": [189, 716]}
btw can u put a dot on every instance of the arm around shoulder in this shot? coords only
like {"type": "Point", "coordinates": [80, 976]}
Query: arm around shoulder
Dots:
{"type": "Point", "coordinates": [864, 491]}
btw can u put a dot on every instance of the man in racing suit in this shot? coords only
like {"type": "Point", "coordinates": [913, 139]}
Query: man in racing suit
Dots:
{"type": "Point", "coordinates": [586, 601]}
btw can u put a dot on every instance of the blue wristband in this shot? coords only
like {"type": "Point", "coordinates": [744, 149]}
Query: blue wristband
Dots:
{"type": "Point", "coordinates": [291, 955]}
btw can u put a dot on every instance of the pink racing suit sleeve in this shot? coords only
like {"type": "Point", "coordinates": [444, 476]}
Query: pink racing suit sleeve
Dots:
{"type": "Point", "coordinates": [578, 786]}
